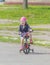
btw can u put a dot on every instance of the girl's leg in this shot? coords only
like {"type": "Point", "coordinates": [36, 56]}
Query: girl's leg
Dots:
{"type": "Point", "coordinates": [22, 42]}
{"type": "Point", "coordinates": [31, 39]}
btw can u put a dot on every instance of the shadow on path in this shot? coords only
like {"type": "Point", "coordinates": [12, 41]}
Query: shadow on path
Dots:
{"type": "Point", "coordinates": [39, 53]}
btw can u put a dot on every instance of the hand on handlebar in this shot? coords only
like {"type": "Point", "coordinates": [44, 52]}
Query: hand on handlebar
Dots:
{"type": "Point", "coordinates": [30, 30]}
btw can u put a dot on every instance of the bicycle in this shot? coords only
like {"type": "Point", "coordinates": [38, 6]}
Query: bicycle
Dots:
{"type": "Point", "coordinates": [26, 45]}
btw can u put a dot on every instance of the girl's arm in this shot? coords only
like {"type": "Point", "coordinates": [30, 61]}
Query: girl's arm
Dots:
{"type": "Point", "coordinates": [30, 29]}
{"type": "Point", "coordinates": [19, 31]}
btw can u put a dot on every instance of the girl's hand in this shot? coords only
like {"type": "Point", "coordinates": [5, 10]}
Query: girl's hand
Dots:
{"type": "Point", "coordinates": [30, 30]}
{"type": "Point", "coordinates": [19, 33]}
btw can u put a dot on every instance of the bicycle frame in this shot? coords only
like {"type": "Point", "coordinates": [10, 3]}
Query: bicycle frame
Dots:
{"type": "Point", "coordinates": [26, 45]}
{"type": "Point", "coordinates": [26, 38]}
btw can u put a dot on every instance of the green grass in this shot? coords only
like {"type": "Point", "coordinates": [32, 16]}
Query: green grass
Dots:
{"type": "Point", "coordinates": [41, 29]}
{"type": "Point", "coordinates": [12, 40]}
{"type": "Point", "coordinates": [9, 39]}
{"type": "Point", "coordinates": [41, 42]}
{"type": "Point", "coordinates": [45, 45]}
{"type": "Point", "coordinates": [34, 14]}
{"type": "Point", "coordinates": [10, 24]}
{"type": "Point", "coordinates": [6, 27]}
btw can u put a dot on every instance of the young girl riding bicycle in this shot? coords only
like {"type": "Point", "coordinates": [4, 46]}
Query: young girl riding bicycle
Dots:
{"type": "Point", "coordinates": [23, 29]}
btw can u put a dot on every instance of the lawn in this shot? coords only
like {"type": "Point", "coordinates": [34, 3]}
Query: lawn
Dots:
{"type": "Point", "coordinates": [34, 14]}
{"type": "Point", "coordinates": [12, 40]}
{"type": "Point", "coordinates": [9, 39]}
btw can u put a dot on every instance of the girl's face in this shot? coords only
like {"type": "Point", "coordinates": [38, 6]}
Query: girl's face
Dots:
{"type": "Point", "coordinates": [23, 23]}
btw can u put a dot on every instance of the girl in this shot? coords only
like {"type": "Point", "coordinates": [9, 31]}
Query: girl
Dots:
{"type": "Point", "coordinates": [23, 29]}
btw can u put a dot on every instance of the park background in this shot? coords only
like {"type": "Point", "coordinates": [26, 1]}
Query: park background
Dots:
{"type": "Point", "coordinates": [38, 17]}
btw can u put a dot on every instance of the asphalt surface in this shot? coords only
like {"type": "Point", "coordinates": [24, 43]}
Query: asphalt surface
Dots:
{"type": "Point", "coordinates": [10, 55]}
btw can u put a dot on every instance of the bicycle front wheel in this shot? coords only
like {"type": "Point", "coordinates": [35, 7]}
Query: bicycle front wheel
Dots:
{"type": "Point", "coordinates": [26, 50]}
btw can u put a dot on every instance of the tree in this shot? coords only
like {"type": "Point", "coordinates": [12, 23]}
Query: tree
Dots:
{"type": "Point", "coordinates": [25, 4]}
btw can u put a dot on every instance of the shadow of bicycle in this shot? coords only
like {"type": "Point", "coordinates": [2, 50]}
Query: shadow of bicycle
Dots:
{"type": "Point", "coordinates": [40, 53]}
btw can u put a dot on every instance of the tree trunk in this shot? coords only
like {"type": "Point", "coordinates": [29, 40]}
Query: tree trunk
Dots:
{"type": "Point", "coordinates": [25, 4]}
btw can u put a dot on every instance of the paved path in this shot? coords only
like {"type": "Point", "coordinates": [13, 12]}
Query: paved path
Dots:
{"type": "Point", "coordinates": [9, 55]}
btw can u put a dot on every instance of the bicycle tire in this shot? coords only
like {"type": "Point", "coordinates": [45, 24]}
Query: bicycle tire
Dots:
{"type": "Point", "coordinates": [26, 50]}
